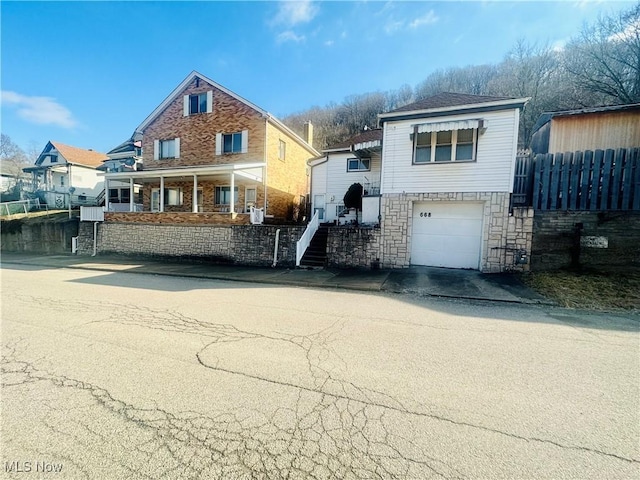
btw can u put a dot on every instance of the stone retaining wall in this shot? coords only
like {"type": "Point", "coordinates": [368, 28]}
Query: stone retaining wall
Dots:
{"type": "Point", "coordinates": [240, 244]}
{"type": "Point", "coordinates": [354, 247]}
{"type": "Point", "coordinates": [557, 245]}
{"type": "Point", "coordinates": [39, 235]}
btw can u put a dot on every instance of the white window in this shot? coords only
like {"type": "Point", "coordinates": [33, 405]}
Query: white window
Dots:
{"type": "Point", "coordinates": [165, 149]}
{"type": "Point", "coordinates": [445, 146]}
{"type": "Point", "coordinates": [358, 164]}
{"type": "Point", "coordinates": [282, 150]}
{"type": "Point", "coordinates": [198, 103]}
{"type": "Point", "coordinates": [223, 195]}
{"type": "Point", "coordinates": [236, 142]}
{"type": "Point", "coordinates": [173, 196]}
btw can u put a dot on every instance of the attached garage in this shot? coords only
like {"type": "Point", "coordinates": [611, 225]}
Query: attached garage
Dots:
{"type": "Point", "coordinates": [447, 234]}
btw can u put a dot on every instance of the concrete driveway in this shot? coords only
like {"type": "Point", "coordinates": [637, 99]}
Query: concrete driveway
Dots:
{"type": "Point", "coordinates": [113, 375]}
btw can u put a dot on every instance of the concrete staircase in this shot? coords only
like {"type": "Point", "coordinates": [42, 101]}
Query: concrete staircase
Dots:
{"type": "Point", "coordinates": [316, 254]}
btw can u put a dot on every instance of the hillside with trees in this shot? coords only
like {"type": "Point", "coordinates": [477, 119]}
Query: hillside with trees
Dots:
{"type": "Point", "coordinates": [599, 66]}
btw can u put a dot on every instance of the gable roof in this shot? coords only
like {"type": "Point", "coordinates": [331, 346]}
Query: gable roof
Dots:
{"type": "Point", "coordinates": [185, 83]}
{"type": "Point", "coordinates": [447, 102]}
{"type": "Point", "coordinates": [78, 156]}
{"type": "Point", "coordinates": [367, 136]}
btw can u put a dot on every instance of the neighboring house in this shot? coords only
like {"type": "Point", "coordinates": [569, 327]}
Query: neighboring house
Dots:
{"type": "Point", "coordinates": [64, 174]}
{"type": "Point", "coordinates": [594, 128]}
{"type": "Point", "coordinates": [356, 160]}
{"type": "Point", "coordinates": [126, 157]}
{"type": "Point", "coordinates": [209, 155]}
{"type": "Point", "coordinates": [446, 181]}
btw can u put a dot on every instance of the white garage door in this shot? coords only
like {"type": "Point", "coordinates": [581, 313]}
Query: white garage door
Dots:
{"type": "Point", "coordinates": [446, 234]}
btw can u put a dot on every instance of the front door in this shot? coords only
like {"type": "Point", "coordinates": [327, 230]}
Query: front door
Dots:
{"type": "Point", "coordinates": [155, 200]}
{"type": "Point", "coordinates": [318, 205]}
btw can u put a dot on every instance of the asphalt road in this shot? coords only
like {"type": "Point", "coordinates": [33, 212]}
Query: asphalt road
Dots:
{"type": "Point", "coordinates": [115, 375]}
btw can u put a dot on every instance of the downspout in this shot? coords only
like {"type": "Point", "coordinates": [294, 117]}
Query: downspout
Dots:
{"type": "Point", "coordinates": [275, 250]}
{"type": "Point", "coordinates": [95, 239]}
{"type": "Point", "coordinates": [266, 163]}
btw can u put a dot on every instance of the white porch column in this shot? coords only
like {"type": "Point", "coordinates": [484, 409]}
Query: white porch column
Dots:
{"type": "Point", "coordinates": [161, 206]}
{"type": "Point", "coordinates": [131, 194]}
{"type": "Point", "coordinates": [195, 194]}
{"type": "Point", "coordinates": [232, 202]}
{"type": "Point", "coordinates": [106, 193]}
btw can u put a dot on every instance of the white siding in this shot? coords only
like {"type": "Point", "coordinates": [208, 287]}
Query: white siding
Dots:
{"type": "Point", "coordinates": [491, 172]}
{"type": "Point", "coordinates": [332, 179]}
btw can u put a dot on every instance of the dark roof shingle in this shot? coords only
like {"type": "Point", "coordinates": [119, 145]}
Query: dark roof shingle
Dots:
{"type": "Point", "coordinates": [366, 136]}
{"type": "Point", "coordinates": [448, 99]}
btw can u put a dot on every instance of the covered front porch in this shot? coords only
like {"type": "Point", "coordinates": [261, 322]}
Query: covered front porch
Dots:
{"type": "Point", "coordinates": [188, 195]}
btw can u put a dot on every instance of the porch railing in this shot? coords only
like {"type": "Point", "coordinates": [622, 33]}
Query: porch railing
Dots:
{"type": "Point", "coordinates": [307, 236]}
{"type": "Point", "coordinates": [92, 214]}
{"type": "Point", "coordinates": [124, 207]}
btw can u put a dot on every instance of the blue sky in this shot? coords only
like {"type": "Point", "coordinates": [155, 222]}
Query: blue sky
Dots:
{"type": "Point", "coordinates": [88, 73]}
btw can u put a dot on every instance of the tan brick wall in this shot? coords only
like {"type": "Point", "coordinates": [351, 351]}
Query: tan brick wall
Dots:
{"type": "Point", "coordinates": [197, 133]}
{"type": "Point", "coordinates": [177, 218]}
{"type": "Point", "coordinates": [287, 178]}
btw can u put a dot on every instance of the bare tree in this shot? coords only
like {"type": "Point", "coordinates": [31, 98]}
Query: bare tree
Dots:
{"type": "Point", "coordinates": [12, 157]}
{"type": "Point", "coordinates": [605, 57]}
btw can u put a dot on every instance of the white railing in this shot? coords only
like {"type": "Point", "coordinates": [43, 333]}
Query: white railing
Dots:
{"type": "Point", "coordinates": [256, 215]}
{"type": "Point", "coordinates": [124, 207]}
{"type": "Point", "coordinates": [92, 214]}
{"type": "Point", "coordinates": [307, 236]}
{"type": "Point", "coordinates": [20, 206]}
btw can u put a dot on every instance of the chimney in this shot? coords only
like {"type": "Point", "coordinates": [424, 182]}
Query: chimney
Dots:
{"type": "Point", "coordinates": [308, 133]}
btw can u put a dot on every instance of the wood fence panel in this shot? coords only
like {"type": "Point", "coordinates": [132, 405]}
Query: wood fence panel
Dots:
{"type": "Point", "coordinates": [537, 180]}
{"type": "Point", "coordinates": [555, 181]}
{"type": "Point", "coordinates": [627, 180]}
{"type": "Point", "coordinates": [616, 180]}
{"type": "Point", "coordinates": [607, 166]}
{"type": "Point", "coordinates": [636, 175]}
{"type": "Point", "coordinates": [574, 180]}
{"type": "Point", "coordinates": [596, 185]}
{"type": "Point", "coordinates": [585, 174]}
{"type": "Point", "coordinates": [566, 174]}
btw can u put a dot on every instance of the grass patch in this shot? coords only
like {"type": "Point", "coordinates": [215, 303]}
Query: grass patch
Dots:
{"type": "Point", "coordinates": [595, 290]}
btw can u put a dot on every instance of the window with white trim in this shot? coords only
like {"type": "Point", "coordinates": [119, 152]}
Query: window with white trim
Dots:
{"type": "Point", "coordinates": [282, 150]}
{"type": "Point", "coordinates": [223, 195]}
{"type": "Point", "coordinates": [358, 164]}
{"type": "Point", "coordinates": [198, 103]}
{"type": "Point", "coordinates": [445, 146]}
{"type": "Point", "coordinates": [173, 196]}
{"type": "Point", "coordinates": [227, 143]}
{"type": "Point", "coordinates": [164, 149]}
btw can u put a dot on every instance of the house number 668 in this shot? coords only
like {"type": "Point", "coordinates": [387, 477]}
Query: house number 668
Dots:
{"type": "Point", "coordinates": [425, 214]}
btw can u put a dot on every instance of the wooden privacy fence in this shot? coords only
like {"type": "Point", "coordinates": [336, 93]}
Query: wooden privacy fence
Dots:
{"type": "Point", "coordinates": [589, 180]}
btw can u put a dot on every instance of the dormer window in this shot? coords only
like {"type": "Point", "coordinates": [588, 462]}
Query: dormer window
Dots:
{"type": "Point", "coordinates": [53, 158]}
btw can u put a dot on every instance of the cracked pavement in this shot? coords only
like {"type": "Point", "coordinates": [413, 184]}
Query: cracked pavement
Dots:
{"type": "Point", "coordinates": [140, 376]}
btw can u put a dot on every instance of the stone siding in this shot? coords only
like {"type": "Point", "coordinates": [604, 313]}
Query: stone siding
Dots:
{"type": "Point", "coordinates": [502, 235]}
{"type": "Point", "coordinates": [555, 243]}
{"type": "Point", "coordinates": [354, 247]}
{"type": "Point", "coordinates": [238, 244]}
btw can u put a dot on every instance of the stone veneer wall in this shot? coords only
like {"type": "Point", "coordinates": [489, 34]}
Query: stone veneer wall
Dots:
{"type": "Point", "coordinates": [502, 234]}
{"type": "Point", "coordinates": [354, 247]}
{"type": "Point", "coordinates": [555, 241]}
{"type": "Point", "coordinates": [239, 244]}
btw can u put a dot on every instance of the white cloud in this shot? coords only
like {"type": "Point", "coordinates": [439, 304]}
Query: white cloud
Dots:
{"type": "Point", "coordinates": [328, 43]}
{"type": "Point", "coordinates": [428, 19]}
{"type": "Point", "coordinates": [292, 12]}
{"type": "Point", "coordinates": [39, 110]}
{"type": "Point", "coordinates": [393, 26]}
{"type": "Point", "coordinates": [632, 31]}
{"type": "Point", "coordinates": [559, 45]}
{"type": "Point", "coordinates": [289, 36]}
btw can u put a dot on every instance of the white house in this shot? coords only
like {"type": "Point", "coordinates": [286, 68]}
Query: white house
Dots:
{"type": "Point", "coordinates": [64, 174]}
{"type": "Point", "coordinates": [356, 160]}
{"type": "Point", "coordinates": [446, 180]}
